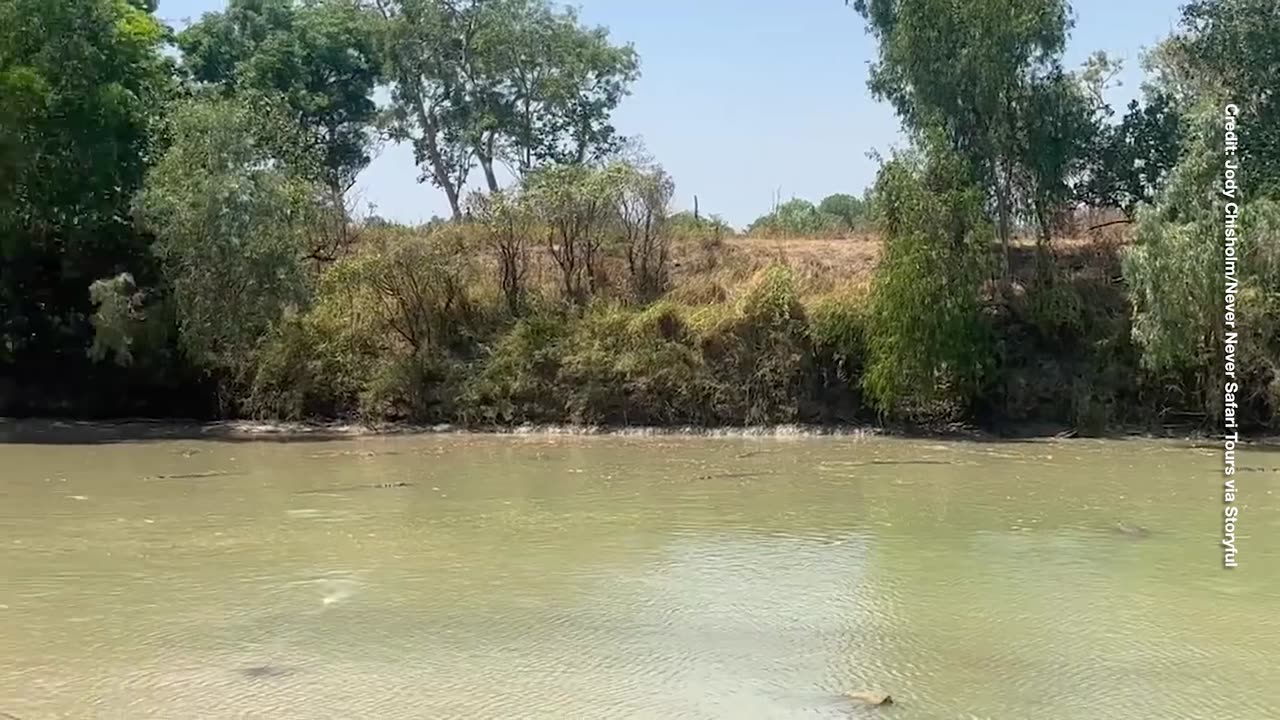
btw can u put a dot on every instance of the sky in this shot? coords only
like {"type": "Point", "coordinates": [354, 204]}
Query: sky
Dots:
{"type": "Point", "coordinates": [745, 101]}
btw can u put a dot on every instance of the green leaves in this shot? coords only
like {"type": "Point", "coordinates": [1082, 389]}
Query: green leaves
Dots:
{"type": "Point", "coordinates": [929, 347]}
{"type": "Point", "coordinates": [83, 85]}
{"type": "Point", "coordinates": [318, 58]}
{"type": "Point", "coordinates": [233, 220]}
{"type": "Point", "coordinates": [500, 81]}
{"type": "Point", "coordinates": [1129, 162]}
{"type": "Point", "coordinates": [986, 74]}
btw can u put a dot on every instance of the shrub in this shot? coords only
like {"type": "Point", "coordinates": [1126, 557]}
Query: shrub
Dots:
{"type": "Point", "coordinates": [233, 214]}
{"type": "Point", "coordinates": [422, 387]}
{"type": "Point", "coordinates": [414, 288]}
{"type": "Point", "coordinates": [837, 329]}
{"type": "Point", "coordinates": [793, 218]}
{"type": "Point", "coordinates": [929, 346]}
{"type": "Point", "coordinates": [847, 212]}
{"type": "Point", "coordinates": [642, 205]}
{"type": "Point", "coordinates": [516, 382]}
{"type": "Point", "coordinates": [698, 228]}
{"type": "Point", "coordinates": [626, 367]}
{"type": "Point", "coordinates": [759, 353]}
{"type": "Point", "coordinates": [575, 204]}
{"type": "Point", "coordinates": [310, 367]}
{"type": "Point", "coordinates": [507, 225]}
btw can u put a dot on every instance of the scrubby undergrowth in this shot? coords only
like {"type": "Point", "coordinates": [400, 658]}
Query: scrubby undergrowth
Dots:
{"type": "Point", "coordinates": [403, 330]}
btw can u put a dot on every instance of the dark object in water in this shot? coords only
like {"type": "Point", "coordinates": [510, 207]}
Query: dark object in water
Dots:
{"type": "Point", "coordinates": [870, 697]}
{"type": "Point", "coordinates": [901, 462]}
{"type": "Point", "coordinates": [352, 488]}
{"type": "Point", "coordinates": [1133, 531]}
{"type": "Point", "coordinates": [189, 476]}
{"type": "Point", "coordinates": [730, 476]}
{"type": "Point", "coordinates": [265, 671]}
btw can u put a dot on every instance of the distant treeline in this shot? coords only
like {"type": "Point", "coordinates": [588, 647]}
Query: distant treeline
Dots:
{"type": "Point", "coordinates": [177, 236]}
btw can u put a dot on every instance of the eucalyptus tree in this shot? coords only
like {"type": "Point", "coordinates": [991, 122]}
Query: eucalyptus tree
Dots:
{"type": "Point", "coordinates": [479, 82]}
{"type": "Point", "coordinates": [982, 72]}
{"type": "Point", "coordinates": [1223, 59]}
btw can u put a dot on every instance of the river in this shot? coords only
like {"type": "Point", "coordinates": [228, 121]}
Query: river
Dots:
{"type": "Point", "coordinates": [543, 576]}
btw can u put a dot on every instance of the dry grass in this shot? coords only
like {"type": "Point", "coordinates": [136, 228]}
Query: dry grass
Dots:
{"type": "Point", "coordinates": [712, 271]}
{"type": "Point", "coordinates": [824, 265]}
{"type": "Point", "coordinates": [819, 265]}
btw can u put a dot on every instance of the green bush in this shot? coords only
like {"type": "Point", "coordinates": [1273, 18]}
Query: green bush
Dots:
{"type": "Point", "coordinates": [634, 368]}
{"type": "Point", "coordinates": [233, 217]}
{"type": "Point", "coordinates": [420, 387]}
{"type": "Point", "coordinates": [759, 353]}
{"type": "Point", "coordinates": [848, 212]}
{"type": "Point", "coordinates": [794, 218]}
{"type": "Point", "coordinates": [837, 329]}
{"type": "Point", "coordinates": [516, 382]}
{"type": "Point", "coordinates": [686, 226]}
{"type": "Point", "coordinates": [929, 345]}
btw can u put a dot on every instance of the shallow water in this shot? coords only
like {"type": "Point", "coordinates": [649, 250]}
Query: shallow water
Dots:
{"type": "Point", "coordinates": [642, 577]}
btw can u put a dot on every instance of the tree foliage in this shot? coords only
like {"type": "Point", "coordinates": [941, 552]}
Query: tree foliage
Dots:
{"type": "Point", "coordinates": [575, 205]}
{"type": "Point", "coordinates": [82, 87]}
{"type": "Point", "coordinates": [318, 57]}
{"type": "Point", "coordinates": [929, 347]}
{"type": "Point", "coordinates": [484, 81]}
{"type": "Point", "coordinates": [838, 214]}
{"type": "Point", "coordinates": [1176, 267]}
{"type": "Point", "coordinates": [1130, 162]}
{"type": "Point", "coordinates": [1231, 50]}
{"type": "Point", "coordinates": [984, 73]}
{"type": "Point", "coordinates": [848, 210]}
{"type": "Point", "coordinates": [232, 217]}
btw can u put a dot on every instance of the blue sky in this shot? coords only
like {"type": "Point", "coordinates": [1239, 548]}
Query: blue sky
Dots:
{"type": "Point", "coordinates": [744, 99]}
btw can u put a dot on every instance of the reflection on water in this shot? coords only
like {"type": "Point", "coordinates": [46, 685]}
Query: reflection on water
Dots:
{"type": "Point", "coordinates": [563, 577]}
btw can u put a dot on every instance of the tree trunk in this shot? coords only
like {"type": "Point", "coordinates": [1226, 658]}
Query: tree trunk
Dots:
{"type": "Point", "coordinates": [430, 139]}
{"type": "Point", "coordinates": [1004, 211]}
{"type": "Point", "coordinates": [486, 162]}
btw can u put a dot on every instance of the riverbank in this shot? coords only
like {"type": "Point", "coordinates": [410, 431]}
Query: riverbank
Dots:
{"type": "Point", "coordinates": [89, 432]}
{"type": "Point", "coordinates": [410, 329]}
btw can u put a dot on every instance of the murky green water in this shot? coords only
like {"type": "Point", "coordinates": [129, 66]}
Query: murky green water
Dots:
{"type": "Point", "coordinates": [563, 577]}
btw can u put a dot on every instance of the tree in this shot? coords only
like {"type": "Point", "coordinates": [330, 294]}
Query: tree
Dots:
{"type": "Point", "coordinates": [978, 71]}
{"type": "Point", "coordinates": [850, 211]}
{"type": "Point", "coordinates": [562, 83]}
{"type": "Point", "coordinates": [319, 59]}
{"type": "Point", "coordinates": [1054, 133]}
{"type": "Point", "coordinates": [507, 222]}
{"type": "Point", "coordinates": [478, 81]}
{"type": "Point", "coordinates": [1176, 266]}
{"type": "Point", "coordinates": [575, 205]}
{"type": "Point", "coordinates": [82, 87]}
{"type": "Point", "coordinates": [929, 346]}
{"type": "Point", "coordinates": [1129, 163]}
{"type": "Point", "coordinates": [1231, 49]}
{"type": "Point", "coordinates": [795, 217]}
{"type": "Point", "coordinates": [232, 219]}
{"type": "Point", "coordinates": [642, 202]}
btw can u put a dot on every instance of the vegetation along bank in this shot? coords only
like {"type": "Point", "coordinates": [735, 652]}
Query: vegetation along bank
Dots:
{"type": "Point", "coordinates": [178, 236]}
